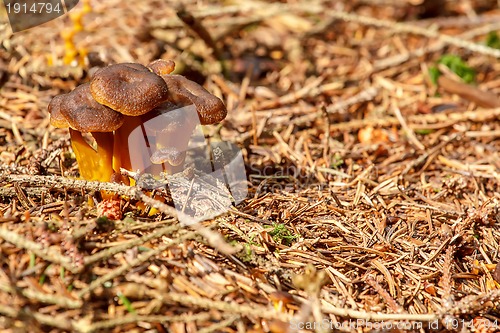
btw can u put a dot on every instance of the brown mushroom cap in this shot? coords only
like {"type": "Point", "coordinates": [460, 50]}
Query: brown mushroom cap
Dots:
{"type": "Point", "coordinates": [84, 114]}
{"type": "Point", "coordinates": [183, 91]}
{"type": "Point", "coordinates": [169, 117]}
{"type": "Point", "coordinates": [130, 89]}
{"type": "Point", "coordinates": [56, 117]}
{"type": "Point", "coordinates": [161, 66]}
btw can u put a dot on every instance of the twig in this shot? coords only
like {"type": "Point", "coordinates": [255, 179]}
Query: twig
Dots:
{"type": "Point", "coordinates": [363, 96]}
{"type": "Point", "coordinates": [84, 327]}
{"type": "Point", "coordinates": [437, 252]}
{"type": "Point", "coordinates": [409, 132]}
{"type": "Point", "coordinates": [475, 303]}
{"type": "Point", "coordinates": [421, 160]}
{"type": "Point", "coordinates": [8, 311]}
{"type": "Point", "coordinates": [215, 240]}
{"type": "Point", "coordinates": [372, 316]}
{"type": "Point", "coordinates": [197, 27]}
{"type": "Point", "coordinates": [260, 311]}
{"type": "Point", "coordinates": [458, 21]}
{"type": "Point", "coordinates": [390, 281]}
{"type": "Point", "coordinates": [220, 325]}
{"type": "Point", "coordinates": [480, 115]}
{"type": "Point", "coordinates": [128, 245]}
{"type": "Point", "coordinates": [24, 314]}
{"type": "Point", "coordinates": [446, 279]}
{"type": "Point", "coordinates": [58, 182]}
{"type": "Point", "coordinates": [434, 47]}
{"type": "Point", "coordinates": [139, 260]}
{"type": "Point", "coordinates": [413, 29]}
{"type": "Point", "coordinates": [235, 211]}
{"type": "Point", "coordinates": [470, 93]}
{"type": "Point", "coordinates": [37, 248]}
{"type": "Point", "coordinates": [483, 134]}
{"type": "Point", "coordinates": [61, 301]}
{"type": "Point", "coordinates": [393, 305]}
{"type": "Point", "coordinates": [311, 89]}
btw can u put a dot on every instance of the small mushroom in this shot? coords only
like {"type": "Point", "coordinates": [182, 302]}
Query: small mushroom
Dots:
{"type": "Point", "coordinates": [133, 90]}
{"type": "Point", "coordinates": [130, 89]}
{"type": "Point", "coordinates": [122, 101]}
{"type": "Point", "coordinates": [170, 132]}
{"type": "Point", "coordinates": [56, 117]}
{"type": "Point", "coordinates": [82, 114]}
{"type": "Point", "coordinates": [162, 67]}
{"type": "Point", "coordinates": [173, 122]}
{"type": "Point", "coordinates": [182, 91]}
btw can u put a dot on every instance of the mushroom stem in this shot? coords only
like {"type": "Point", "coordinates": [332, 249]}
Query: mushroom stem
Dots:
{"type": "Point", "coordinates": [94, 164]}
{"type": "Point", "coordinates": [122, 146]}
{"type": "Point", "coordinates": [132, 147]}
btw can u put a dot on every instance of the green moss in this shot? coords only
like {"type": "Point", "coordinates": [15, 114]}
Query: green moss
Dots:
{"type": "Point", "coordinates": [337, 161]}
{"type": "Point", "coordinates": [281, 234]}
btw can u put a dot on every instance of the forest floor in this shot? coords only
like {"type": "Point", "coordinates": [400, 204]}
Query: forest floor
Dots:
{"type": "Point", "coordinates": [370, 132]}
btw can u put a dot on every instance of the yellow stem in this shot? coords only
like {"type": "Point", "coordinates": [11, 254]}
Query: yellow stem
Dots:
{"type": "Point", "coordinates": [94, 164]}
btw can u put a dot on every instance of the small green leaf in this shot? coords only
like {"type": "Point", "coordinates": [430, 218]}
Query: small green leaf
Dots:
{"type": "Point", "coordinates": [126, 303]}
{"type": "Point", "coordinates": [493, 40]}
{"type": "Point", "coordinates": [459, 67]}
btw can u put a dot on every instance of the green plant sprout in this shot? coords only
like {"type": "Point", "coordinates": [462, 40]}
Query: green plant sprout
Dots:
{"type": "Point", "coordinates": [457, 65]}
{"type": "Point", "coordinates": [126, 303]}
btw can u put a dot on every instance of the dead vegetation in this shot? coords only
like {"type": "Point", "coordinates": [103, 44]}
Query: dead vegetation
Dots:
{"type": "Point", "coordinates": [373, 193]}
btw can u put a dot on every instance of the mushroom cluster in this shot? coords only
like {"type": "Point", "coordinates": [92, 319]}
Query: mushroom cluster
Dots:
{"type": "Point", "coordinates": [126, 99]}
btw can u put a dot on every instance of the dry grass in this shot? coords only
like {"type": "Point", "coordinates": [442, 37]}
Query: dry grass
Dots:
{"type": "Point", "coordinates": [373, 194]}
